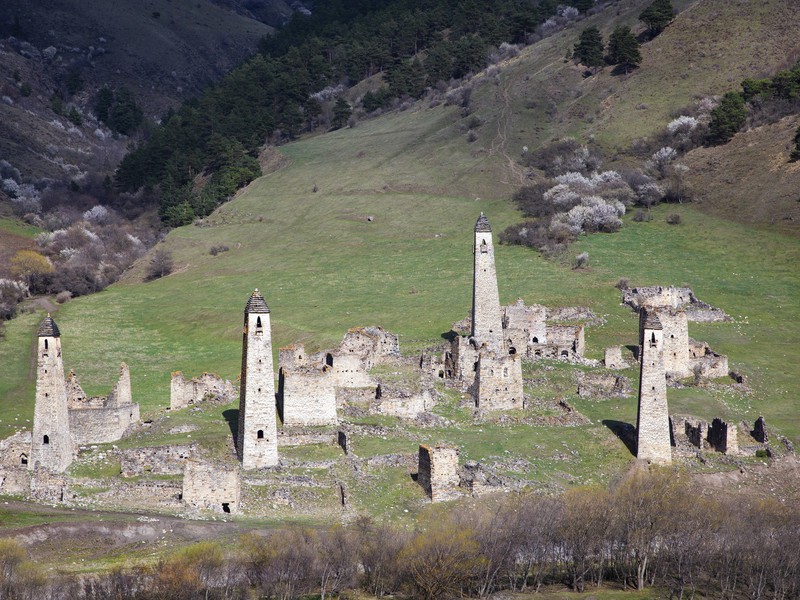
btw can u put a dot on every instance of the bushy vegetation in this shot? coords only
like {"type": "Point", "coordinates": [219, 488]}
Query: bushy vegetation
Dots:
{"type": "Point", "coordinates": [761, 100]}
{"type": "Point", "coordinates": [649, 531]}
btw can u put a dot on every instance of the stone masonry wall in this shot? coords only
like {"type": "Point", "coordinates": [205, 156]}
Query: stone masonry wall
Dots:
{"type": "Point", "coordinates": [499, 382]}
{"type": "Point", "coordinates": [722, 437]}
{"type": "Point", "coordinates": [209, 486]}
{"type": "Point", "coordinates": [185, 392]}
{"type": "Point", "coordinates": [307, 397]}
{"type": "Point", "coordinates": [438, 472]}
{"type": "Point", "coordinates": [158, 460]}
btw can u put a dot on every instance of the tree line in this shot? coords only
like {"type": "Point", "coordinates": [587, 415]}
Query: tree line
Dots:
{"type": "Point", "coordinates": [296, 83]}
{"type": "Point", "coordinates": [650, 530]}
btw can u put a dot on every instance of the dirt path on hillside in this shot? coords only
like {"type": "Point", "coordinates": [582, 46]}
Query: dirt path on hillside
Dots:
{"type": "Point", "coordinates": [518, 173]}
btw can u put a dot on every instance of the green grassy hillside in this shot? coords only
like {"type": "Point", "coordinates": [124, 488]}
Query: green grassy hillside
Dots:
{"type": "Point", "coordinates": [323, 267]}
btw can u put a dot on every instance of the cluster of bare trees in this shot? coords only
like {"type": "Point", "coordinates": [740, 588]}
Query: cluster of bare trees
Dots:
{"type": "Point", "coordinates": [649, 530]}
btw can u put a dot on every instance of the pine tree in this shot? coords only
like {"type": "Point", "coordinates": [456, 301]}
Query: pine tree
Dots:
{"type": "Point", "coordinates": [589, 49]}
{"type": "Point", "coordinates": [727, 118]}
{"type": "Point", "coordinates": [623, 49]}
{"type": "Point", "coordinates": [341, 113]}
{"type": "Point", "coordinates": [657, 16]}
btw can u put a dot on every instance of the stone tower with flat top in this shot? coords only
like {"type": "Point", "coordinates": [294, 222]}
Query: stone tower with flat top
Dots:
{"type": "Point", "coordinates": [257, 443]}
{"type": "Point", "coordinates": [51, 444]}
{"type": "Point", "coordinates": [487, 325]}
{"type": "Point", "coordinates": [652, 422]}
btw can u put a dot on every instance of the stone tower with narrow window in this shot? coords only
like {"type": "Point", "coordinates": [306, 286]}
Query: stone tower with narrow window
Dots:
{"type": "Point", "coordinates": [652, 422]}
{"type": "Point", "coordinates": [487, 325]}
{"type": "Point", "coordinates": [51, 444]}
{"type": "Point", "coordinates": [257, 444]}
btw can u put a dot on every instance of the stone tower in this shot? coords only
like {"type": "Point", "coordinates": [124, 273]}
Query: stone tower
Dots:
{"type": "Point", "coordinates": [257, 444]}
{"type": "Point", "coordinates": [652, 422]}
{"type": "Point", "coordinates": [487, 325]}
{"type": "Point", "coordinates": [51, 444]}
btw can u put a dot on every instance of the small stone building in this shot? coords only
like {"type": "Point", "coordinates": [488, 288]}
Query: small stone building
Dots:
{"type": "Point", "coordinates": [209, 486]}
{"type": "Point", "coordinates": [437, 472]}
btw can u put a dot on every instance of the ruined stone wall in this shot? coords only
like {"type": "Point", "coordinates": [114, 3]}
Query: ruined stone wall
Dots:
{"type": "Point", "coordinates": [158, 460]}
{"type": "Point", "coordinates": [355, 396]}
{"type": "Point", "coordinates": [208, 386]}
{"type": "Point", "coordinates": [51, 445]}
{"type": "Point", "coordinates": [722, 437]}
{"type": "Point", "coordinates": [257, 444]}
{"type": "Point", "coordinates": [150, 493]}
{"type": "Point", "coordinates": [657, 296]}
{"type": "Point", "coordinates": [100, 425]}
{"type": "Point", "coordinates": [499, 382]}
{"type": "Point", "coordinates": [307, 397]}
{"type": "Point", "coordinates": [461, 362]}
{"type": "Point", "coordinates": [209, 486]}
{"type": "Point", "coordinates": [15, 481]}
{"type": "Point", "coordinates": [437, 472]}
{"type": "Point", "coordinates": [350, 371]}
{"type": "Point", "coordinates": [710, 364]}
{"type": "Point", "coordinates": [15, 450]}
{"type": "Point", "coordinates": [696, 432]}
{"type": "Point", "coordinates": [294, 437]}
{"type": "Point", "coordinates": [613, 358]}
{"type": "Point", "coordinates": [652, 422]}
{"type": "Point", "coordinates": [603, 385]}
{"type": "Point", "coordinates": [524, 325]}
{"type": "Point", "coordinates": [373, 343]}
{"type": "Point", "coordinates": [292, 357]}
{"type": "Point", "coordinates": [47, 486]}
{"type": "Point", "coordinates": [405, 407]}
{"type": "Point", "coordinates": [568, 340]}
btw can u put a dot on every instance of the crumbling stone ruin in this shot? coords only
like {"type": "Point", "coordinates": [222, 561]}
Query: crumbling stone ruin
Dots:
{"type": "Point", "coordinates": [257, 443]}
{"type": "Point", "coordinates": [613, 358]}
{"type": "Point", "coordinates": [759, 432]}
{"type": "Point", "coordinates": [682, 298]}
{"type": "Point", "coordinates": [209, 486]}
{"type": "Point", "coordinates": [101, 418]}
{"type": "Point", "coordinates": [475, 480]}
{"type": "Point", "coordinates": [15, 452]}
{"type": "Point", "coordinates": [722, 437]}
{"type": "Point", "coordinates": [652, 421]}
{"type": "Point", "coordinates": [311, 388]}
{"type": "Point", "coordinates": [437, 472]}
{"type": "Point", "coordinates": [208, 387]}
{"type": "Point", "coordinates": [603, 385]}
{"type": "Point", "coordinates": [683, 356]}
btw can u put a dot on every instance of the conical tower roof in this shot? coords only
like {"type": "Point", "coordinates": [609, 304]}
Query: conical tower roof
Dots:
{"type": "Point", "coordinates": [482, 224]}
{"type": "Point", "coordinates": [256, 303]}
{"type": "Point", "coordinates": [48, 328]}
{"type": "Point", "coordinates": [651, 321]}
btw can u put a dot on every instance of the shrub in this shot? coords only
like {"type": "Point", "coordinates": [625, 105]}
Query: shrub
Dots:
{"type": "Point", "coordinates": [641, 216]}
{"type": "Point", "coordinates": [64, 297]}
{"type": "Point", "coordinates": [674, 219]}
{"type": "Point", "coordinates": [161, 264]}
{"type": "Point", "coordinates": [217, 249]}
{"type": "Point", "coordinates": [530, 199]}
{"type": "Point", "coordinates": [472, 135]}
{"type": "Point", "coordinates": [727, 119]}
{"type": "Point", "coordinates": [582, 260]}
{"type": "Point", "coordinates": [623, 283]}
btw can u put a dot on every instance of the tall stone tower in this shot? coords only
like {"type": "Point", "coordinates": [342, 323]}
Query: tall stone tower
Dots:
{"type": "Point", "coordinates": [257, 444]}
{"type": "Point", "coordinates": [487, 325]}
{"type": "Point", "coordinates": [652, 422]}
{"type": "Point", "coordinates": [51, 444]}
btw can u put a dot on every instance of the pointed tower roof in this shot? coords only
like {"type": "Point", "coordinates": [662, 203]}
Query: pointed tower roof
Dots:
{"type": "Point", "coordinates": [48, 328]}
{"type": "Point", "coordinates": [482, 224]}
{"type": "Point", "coordinates": [651, 321]}
{"type": "Point", "coordinates": [256, 303]}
